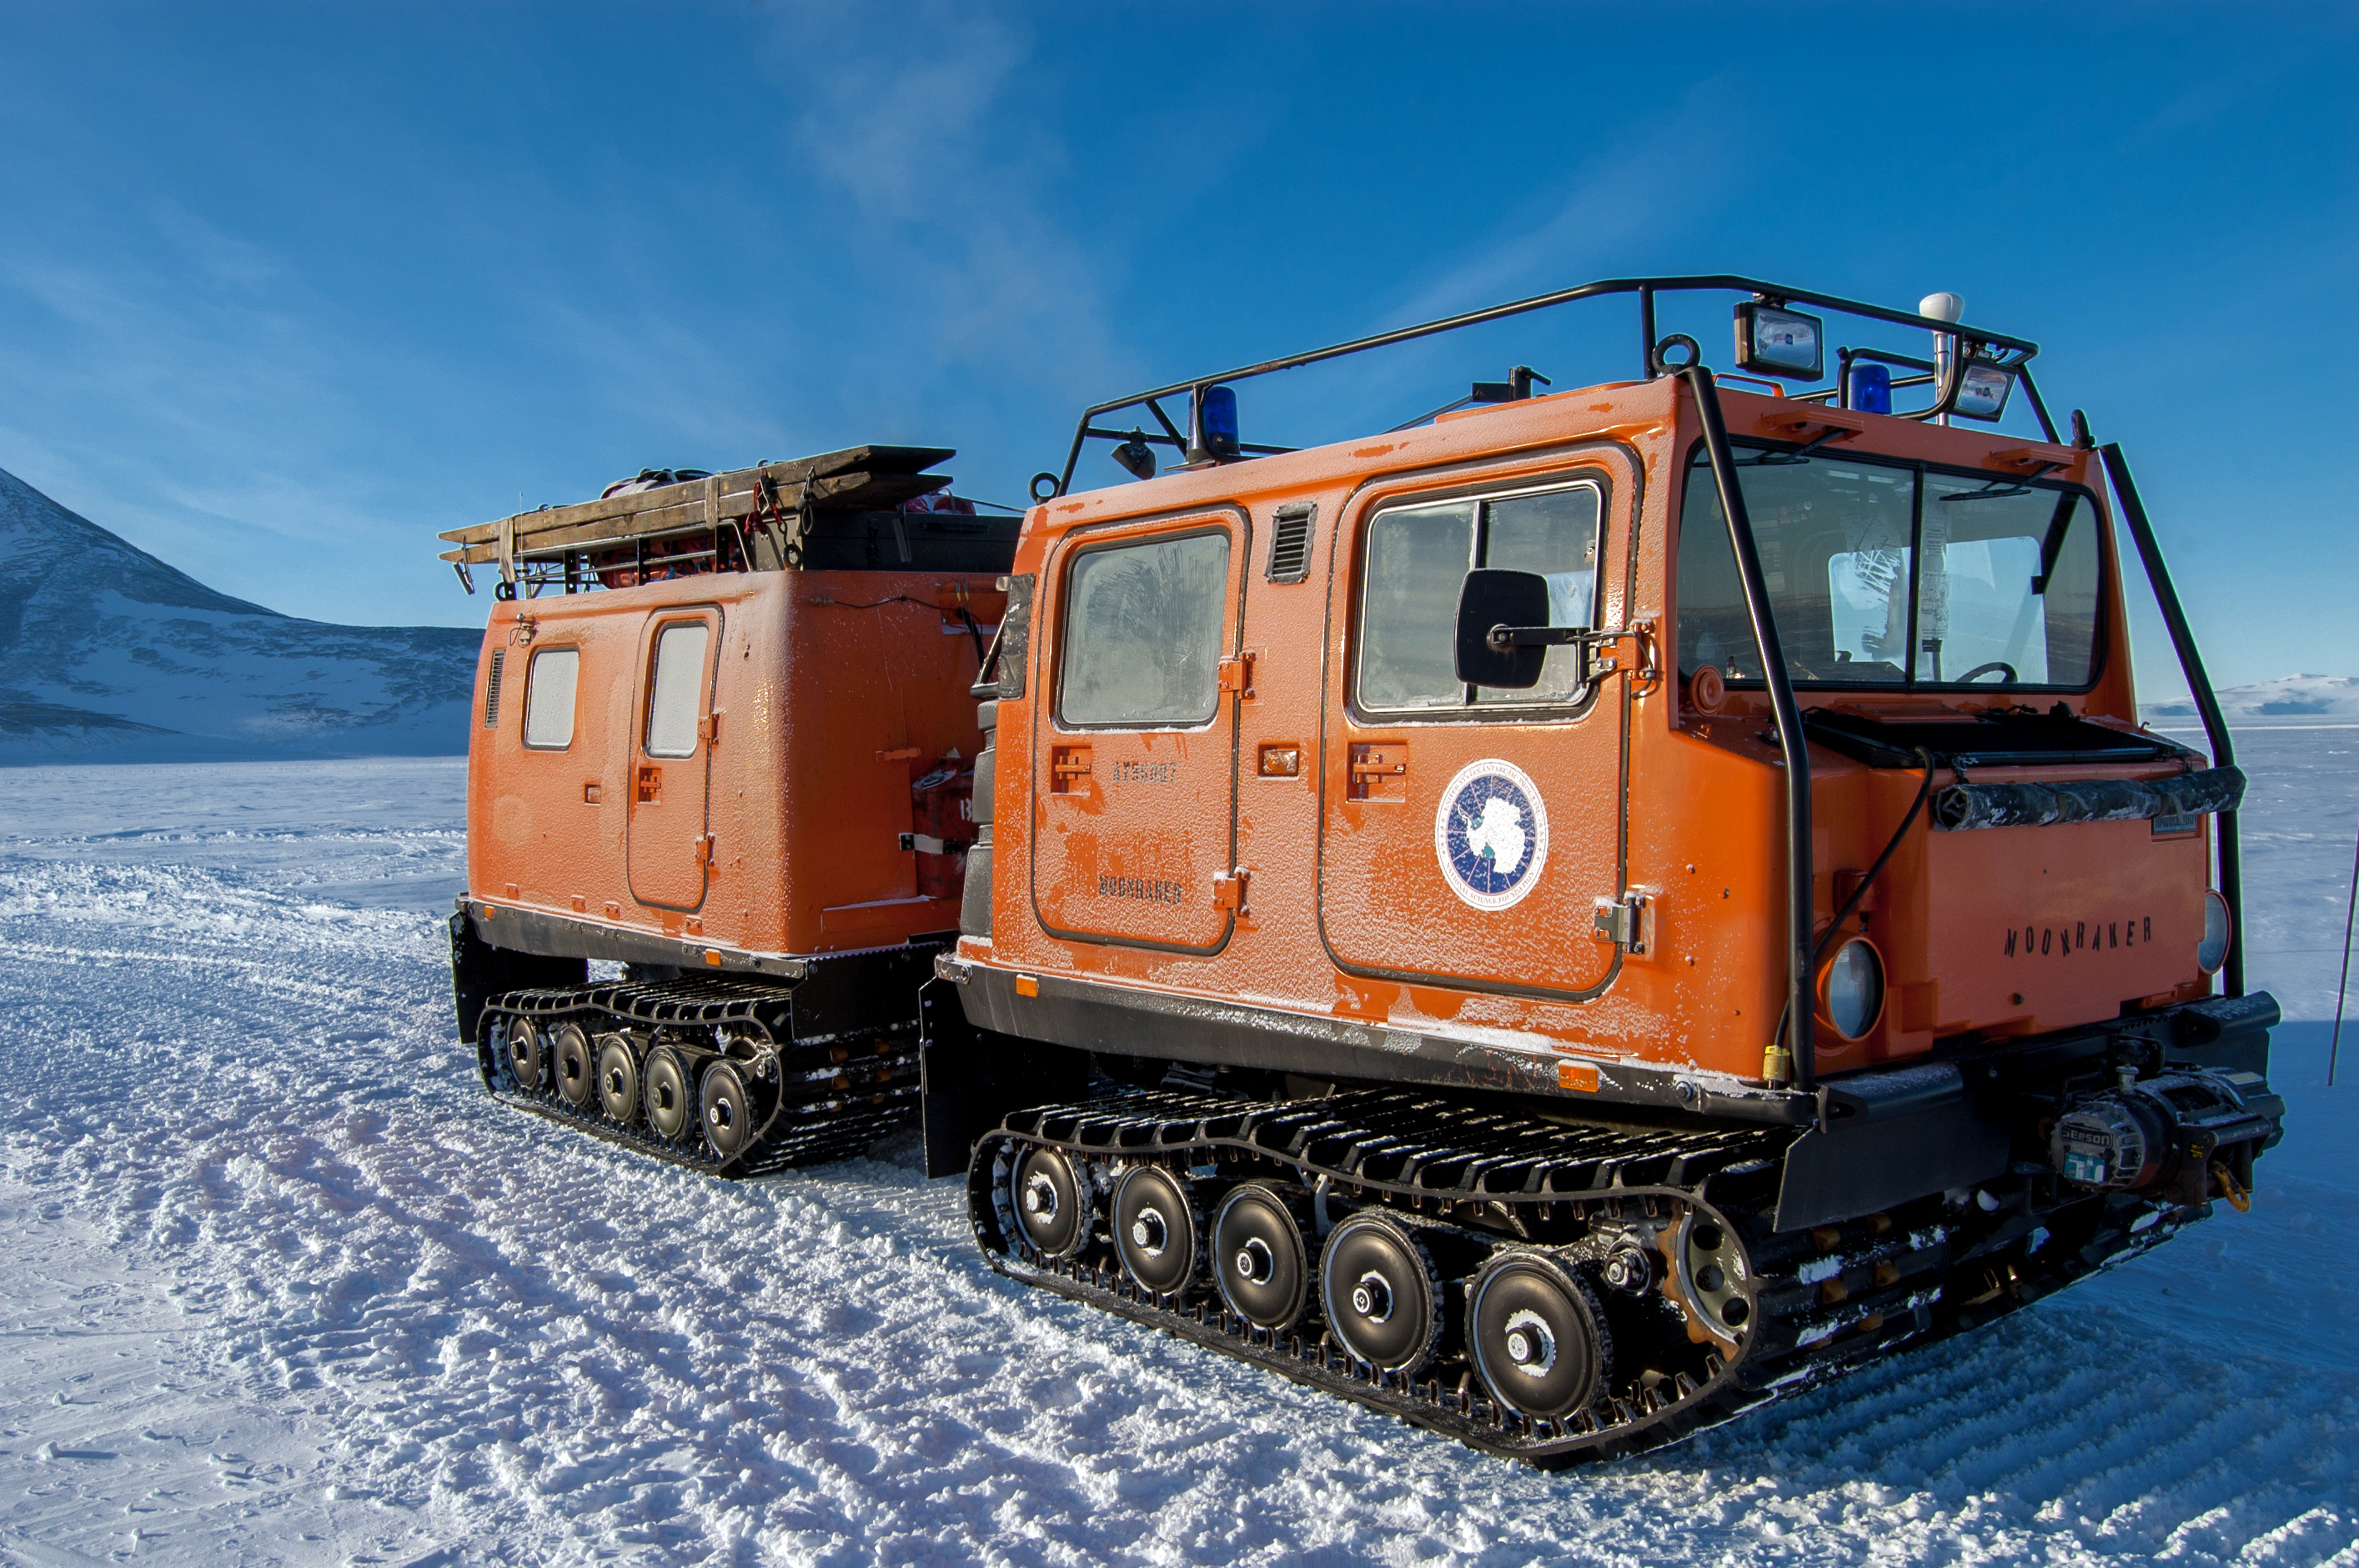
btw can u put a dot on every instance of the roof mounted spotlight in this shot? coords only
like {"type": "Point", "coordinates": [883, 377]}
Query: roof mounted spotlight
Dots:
{"type": "Point", "coordinates": [1135, 456]}
{"type": "Point", "coordinates": [1772, 340]}
{"type": "Point", "coordinates": [1515, 389]}
{"type": "Point", "coordinates": [1983, 391]}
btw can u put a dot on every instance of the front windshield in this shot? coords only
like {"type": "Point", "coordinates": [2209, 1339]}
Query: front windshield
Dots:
{"type": "Point", "coordinates": [1888, 574]}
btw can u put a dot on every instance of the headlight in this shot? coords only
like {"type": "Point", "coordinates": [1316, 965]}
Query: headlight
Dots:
{"type": "Point", "coordinates": [2213, 951]}
{"type": "Point", "coordinates": [1850, 988]}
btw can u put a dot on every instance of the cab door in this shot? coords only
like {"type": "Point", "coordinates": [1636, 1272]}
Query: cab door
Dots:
{"type": "Point", "coordinates": [671, 846]}
{"type": "Point", "coordinates": [1133, 763]}
{"type": "Point", "coordinates": [1467, 833]}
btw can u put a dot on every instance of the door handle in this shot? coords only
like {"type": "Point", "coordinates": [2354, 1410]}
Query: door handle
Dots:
{"type": "Point", "coordinates": [1374, 762]}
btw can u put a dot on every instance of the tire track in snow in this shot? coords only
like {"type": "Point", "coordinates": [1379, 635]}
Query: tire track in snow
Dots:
{"type": "Point", "coordinates": [543, 1350]}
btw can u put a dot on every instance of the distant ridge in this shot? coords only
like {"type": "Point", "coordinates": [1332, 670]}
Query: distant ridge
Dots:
{"type": "Point", "coordinates": [109, 654]}
{"type": "Point", "coordinates": [2294, 699]}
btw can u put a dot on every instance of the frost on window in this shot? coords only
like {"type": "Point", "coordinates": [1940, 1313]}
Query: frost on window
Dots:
{"type": "Point", "coordinates": [676, 694]}
{"type": "Point", "coordinates": [1417, 561]}
{"type": "Point", "coordinates": [1142, 624]}
{"type": "Point", "coordinates": [548, 699]}
{"type": "Point", "coordinates": [1555, 535]}
{"type": "Point", "coordinates": [1867, 592]}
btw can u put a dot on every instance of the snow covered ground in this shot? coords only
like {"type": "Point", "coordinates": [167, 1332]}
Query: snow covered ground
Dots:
{"type": "Point", "coordinates": [280, 1284]}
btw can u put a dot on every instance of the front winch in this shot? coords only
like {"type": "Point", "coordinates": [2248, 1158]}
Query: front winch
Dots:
{"type": "Point", "coordinates": [2164, 1134]}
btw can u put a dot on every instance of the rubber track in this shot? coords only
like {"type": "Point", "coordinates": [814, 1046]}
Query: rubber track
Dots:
{"type": "Point", "coordinates": [836, 1096]}
{"type": "Point", "coordinates": [1380, 1148]}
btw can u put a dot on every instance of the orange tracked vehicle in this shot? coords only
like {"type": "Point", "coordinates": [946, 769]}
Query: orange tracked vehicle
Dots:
{"type": "Point", "coordinates": [1561, 921]}
{"type": "Point", "coordinates": [723, 745]}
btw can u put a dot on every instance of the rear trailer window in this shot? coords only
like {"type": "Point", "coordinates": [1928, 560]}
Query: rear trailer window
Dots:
{"type": "Point", "coordinates": [549, 698]}
{"type": "Point", "coordinates": [674, 694]}
{"type": "Point", "coordinates": [1417, 561]}
{"type": "Point", "coordinates": [1142, 644]}
{"type": "Point", "coordinates": [1882, 574]}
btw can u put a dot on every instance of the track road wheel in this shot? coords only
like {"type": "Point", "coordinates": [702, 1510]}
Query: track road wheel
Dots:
{"type": "Point", "coordinates": [665, 1089]}
{"type": "Point", "coordinates": [1538, 1336]}
{"type": "Point", "coordinates": [1258, 1257]}
{"type": "Point", "coordinates": [527, 1055]}
{"type": "Point", "coordinates": [1382, 1296]}
{"type": "Point", "coordinates": [1049, 1204]}
{"type": "Point", "coordinates": [1156, 1232]}
{"type": "Point", "coordinates": [728, 1109]}
{"type": "Point", "coordinates": [619, 1079]}
{"type": "Point", "coordinates": [576, 1065]}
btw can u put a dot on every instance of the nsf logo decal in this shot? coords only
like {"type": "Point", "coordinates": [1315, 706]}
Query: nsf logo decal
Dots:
{"type": "Point", "coordinates": [1491, 835]}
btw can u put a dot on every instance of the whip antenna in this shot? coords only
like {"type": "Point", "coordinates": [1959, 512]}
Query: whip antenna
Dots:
{"type": "Point", "coordinates": [2334, 1045]}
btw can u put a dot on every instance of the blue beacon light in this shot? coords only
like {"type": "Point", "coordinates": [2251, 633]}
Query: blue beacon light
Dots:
{"type": "Point", "coordinates": [1216, 421]}
{"type": "Point", "coordinates": [1871, 388]}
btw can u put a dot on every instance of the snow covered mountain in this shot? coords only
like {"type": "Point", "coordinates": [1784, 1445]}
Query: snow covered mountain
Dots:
{"type": "Point", "coordinates": [106, 654]}
{"type": "Point", "coordinates": [2293, 700]}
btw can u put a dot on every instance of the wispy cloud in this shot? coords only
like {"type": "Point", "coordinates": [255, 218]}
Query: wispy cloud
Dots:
{"type": "Point", "coordinates": [916, 119]}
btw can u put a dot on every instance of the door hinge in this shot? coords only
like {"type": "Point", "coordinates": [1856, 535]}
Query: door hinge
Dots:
{"type": "Point", "coordinates": [707, 850]}
{"type": "Point", "coordinates": [1602, 655]}
{"type": "Point", "coordinates": [708, 729]}
{"type": "Point", "coordinates": [1229, 889]}
{"type": "Point", "coordinates": [1627, 922]}
{"type": "Point", "coordinates": [1236, 675]}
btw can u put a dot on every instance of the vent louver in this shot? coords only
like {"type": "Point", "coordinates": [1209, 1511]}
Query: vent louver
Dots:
{"type": "Point", "coordinates": [1289, 542]}
{"type": "Point", "coordinates": [492, 690]}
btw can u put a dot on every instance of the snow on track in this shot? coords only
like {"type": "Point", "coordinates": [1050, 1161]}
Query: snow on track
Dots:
{"type": "Point", "coordinates": [282, 1285]}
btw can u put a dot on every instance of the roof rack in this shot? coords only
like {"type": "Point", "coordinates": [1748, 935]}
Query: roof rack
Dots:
{"type": "Point", "coordinates": [749, 519]}
{"type": "Point", "coordinates": [2014, 354]}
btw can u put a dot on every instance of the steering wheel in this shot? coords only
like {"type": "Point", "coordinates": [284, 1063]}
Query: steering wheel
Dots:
{"type": "Point", "coordinates": [2000, 665]}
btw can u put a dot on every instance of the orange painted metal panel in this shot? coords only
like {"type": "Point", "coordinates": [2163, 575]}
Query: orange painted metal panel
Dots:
{"type": "Point", "coordinates": [1134, 824]}
{"type": "Point", "coordinates": [814, 678]}
{"type": "Point", "coordinates": [1703, 799]}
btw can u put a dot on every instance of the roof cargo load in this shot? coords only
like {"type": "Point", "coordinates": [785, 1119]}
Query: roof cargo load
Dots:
{"type": "Point", "coordinates": [861, 508]}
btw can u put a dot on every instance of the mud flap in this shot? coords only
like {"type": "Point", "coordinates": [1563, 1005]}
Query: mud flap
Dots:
{"type": "Point", "coordinates": [480, 971]}
{"type": "Point", "coordinates": [1889, 1138]}
{"type": "Point", "coordinates": [974, 1077]}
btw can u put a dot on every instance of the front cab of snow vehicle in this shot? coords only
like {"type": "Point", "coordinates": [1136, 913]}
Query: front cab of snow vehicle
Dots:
{"type": "Point", "coordinates": [1615, 904]}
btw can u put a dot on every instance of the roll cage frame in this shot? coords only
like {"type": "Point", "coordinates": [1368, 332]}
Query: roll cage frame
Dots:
{"type": "Point", "coordinates": [1972, 345]}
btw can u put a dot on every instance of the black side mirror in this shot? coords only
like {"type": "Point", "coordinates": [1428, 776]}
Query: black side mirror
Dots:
{"type": "Point", "coordinates": [1491, 598]}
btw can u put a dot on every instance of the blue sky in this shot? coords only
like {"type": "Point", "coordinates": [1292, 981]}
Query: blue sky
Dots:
{"type": "Point", "coordinates": [286, 289]}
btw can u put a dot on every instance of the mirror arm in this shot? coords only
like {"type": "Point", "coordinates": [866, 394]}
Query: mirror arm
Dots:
{"type": "Point", "coordinates": [1597, 655]}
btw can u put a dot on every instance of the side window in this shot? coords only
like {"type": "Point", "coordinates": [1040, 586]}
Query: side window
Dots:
{"type": "Point", "coordinates": [1417, 559]}
{"type": "Point", "coordinates": [675, 692]}
{"type": "Point", "coordinates": [549, 698]}
{"type": "Point", "coordinates": [1142, 633]}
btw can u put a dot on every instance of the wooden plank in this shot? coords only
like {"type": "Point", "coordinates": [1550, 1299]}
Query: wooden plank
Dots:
{"type": "Point", "coordinates": [869, 459]}
{"type": "Point", "coordinates": [684, 513]}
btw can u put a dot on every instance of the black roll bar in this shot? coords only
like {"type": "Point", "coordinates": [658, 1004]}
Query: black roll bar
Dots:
{"type": "Point", "coordinates": [1800, 1013]}
{"type": "Point", "coordinates": [1645, 289]}
{"type": "Point", "coordinates": [2215, 723]}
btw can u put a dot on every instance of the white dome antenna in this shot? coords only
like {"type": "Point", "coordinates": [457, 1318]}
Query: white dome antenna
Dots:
{"type": "Point", "coordinates": [1943, 307]}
